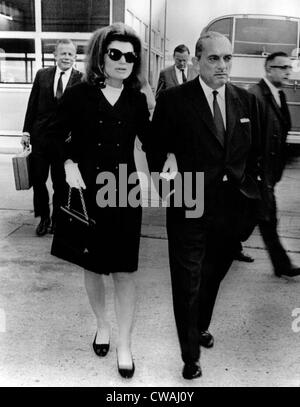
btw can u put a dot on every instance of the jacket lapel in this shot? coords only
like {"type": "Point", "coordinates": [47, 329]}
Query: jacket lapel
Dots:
{"type": "Point", "coordinates": [268, 94]}
{"type": "Point", "coordinates": [173, 75]}
{"type": "Point", "coordinates": [201, 107]}
{"type": "Point", "coordinates": [50, 83]}
{"type": "Point", "coordinates": [71, 78]}
{"type": "Point", "coordinates": [233, 110]}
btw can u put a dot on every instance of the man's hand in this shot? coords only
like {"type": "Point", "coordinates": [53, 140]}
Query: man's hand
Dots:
{"type": "Point", "coordinates": [25, 140]}
{"type": "Point", "coordinates": [170, 169]}
{"type": "Point", "coordinates": [73, 176]}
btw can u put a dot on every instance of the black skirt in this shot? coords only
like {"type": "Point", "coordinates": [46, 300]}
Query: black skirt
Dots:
{"type": "Point", "coordinates": [114, 243]}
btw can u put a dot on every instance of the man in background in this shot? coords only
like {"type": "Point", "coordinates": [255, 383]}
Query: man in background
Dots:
{"type": "Point", "coordinates": [48, 87]}
{"type": "Point", "coordinates": [180, 72]}
{"type": "Point", "coordinates": [275, 124]}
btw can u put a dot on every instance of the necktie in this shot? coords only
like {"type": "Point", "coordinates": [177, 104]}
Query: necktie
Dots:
{"type": "Point", "coordinates": [183, 76]}
{"type": "Point", "coordinates": [59, 89]}
{"type": "Point", "coordinates": [218, 119]}
{"type": "Point", "coordinates": [284, 109]}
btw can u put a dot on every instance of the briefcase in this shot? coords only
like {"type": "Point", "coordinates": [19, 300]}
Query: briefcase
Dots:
{"type": "Point", "coordinates": [21, 167]}
{"type": "Point", "coordinates": [72, 233]}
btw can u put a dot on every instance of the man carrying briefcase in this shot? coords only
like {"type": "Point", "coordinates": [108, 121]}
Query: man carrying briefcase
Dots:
{"type": "Point", "coordinates": [48, 87]}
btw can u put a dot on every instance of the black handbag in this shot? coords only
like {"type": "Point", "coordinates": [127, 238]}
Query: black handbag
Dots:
{"type": "Point", "coordinates": [73, 231]}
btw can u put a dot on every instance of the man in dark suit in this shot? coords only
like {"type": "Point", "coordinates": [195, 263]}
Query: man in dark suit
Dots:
{"type": "Point", "coordinates": [47, 89]}
{"type": "Point", "coordinates": [275, 124]}
{"type": "Point", "coordinates": [178, 73]}
{"type": "Point", "coordinates": [206, 126]}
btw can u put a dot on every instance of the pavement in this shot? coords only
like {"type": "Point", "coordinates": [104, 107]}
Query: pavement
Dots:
{"type": "Point", "coordinates": [47, 326]}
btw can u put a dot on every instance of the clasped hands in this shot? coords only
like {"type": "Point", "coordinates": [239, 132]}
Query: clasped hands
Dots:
{"type": "Point", "coordinates": [73, 175]}
{"type": "Point", "coordinates": [74, 178]}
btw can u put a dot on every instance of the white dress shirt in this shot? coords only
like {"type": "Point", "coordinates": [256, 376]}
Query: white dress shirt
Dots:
{"type": "Point", "coordinates": [65, 78]}
{"type": "Point", "coordinates": [274, 90]}
{"type": "Point", "coordinates": [179, 74]}
{"type": "Point", "coordinates": [210, 98]}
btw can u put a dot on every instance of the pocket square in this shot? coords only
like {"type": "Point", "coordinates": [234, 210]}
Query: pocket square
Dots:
{"type": "Point", "coordinates": [244, 120]}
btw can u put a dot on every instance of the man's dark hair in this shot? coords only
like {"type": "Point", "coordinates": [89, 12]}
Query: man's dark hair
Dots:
{"type": "Point", "coordinates": [181, 48]}
{"type": "Point", "coordinates": [204, 36]}
{"type": "Point", "coordinates": [271, 57]}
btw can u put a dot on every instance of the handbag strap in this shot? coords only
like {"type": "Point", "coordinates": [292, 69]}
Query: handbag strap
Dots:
{"type": "Point", "coordinates": [82, 202]}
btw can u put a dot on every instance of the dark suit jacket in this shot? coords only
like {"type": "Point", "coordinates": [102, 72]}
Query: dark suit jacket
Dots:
{"type": "Point", "coordinates": [168, 79]}
{"type": "Point", "coordinates": [183, 124]}
{"type": "Point", "coordinates": [274, 133]}
{"type": "Point", "coordinates": [42, 105]}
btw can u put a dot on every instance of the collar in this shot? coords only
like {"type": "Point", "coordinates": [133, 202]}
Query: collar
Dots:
{"type": "Point", "coordinates": [67, 72]}
{"type": "Point", "coordinates": [208, 91]}
{"type": "Point", "coordinates": [179, 71]}
{"type": "Point", "coordinates": [273, 88]}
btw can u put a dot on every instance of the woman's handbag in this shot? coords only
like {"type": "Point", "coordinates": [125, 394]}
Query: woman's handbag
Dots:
{"type": "Point", "coordinates": [72, 234]}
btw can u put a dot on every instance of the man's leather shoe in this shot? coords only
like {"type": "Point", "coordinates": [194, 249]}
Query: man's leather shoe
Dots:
{"type": "Point", "coordinates": [240, 256]}
{"type": "Point", "coordinates": [206, 339]}
{"type": "Point", "coordinates": [42, 227]}
{"type": "Point", "coordinates": [191, 371]}
{"type": "Point", "coordinates": [293, 272]}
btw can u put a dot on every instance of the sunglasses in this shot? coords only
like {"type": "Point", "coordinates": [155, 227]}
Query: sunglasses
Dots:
{"type": "Point", "coordinates": [115, 55]}
{"type": "Point", "coordinates": [282, 67]}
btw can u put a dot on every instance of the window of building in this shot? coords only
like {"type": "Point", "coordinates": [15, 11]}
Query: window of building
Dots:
{"type": "Point", "coordinates": [17, 60]}
{"type": "Point", "coordinates": [137, 26]}
{"type": "Point", "coordinates": [162, 44]}
{"type": "Point", "coordinates": [129, 18]}
{"type": "Point", "coordinates": [74, 15]}
{"type": "Point", "coordinates": [144, 33]}
{"type": "Point", "coordinates": [257, 36]}
{"type": "Point", "coordinates": [17, 15]}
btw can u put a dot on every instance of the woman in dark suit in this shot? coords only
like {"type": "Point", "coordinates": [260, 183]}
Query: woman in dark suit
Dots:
{"type": "Point", "coordinates": [104, 114]}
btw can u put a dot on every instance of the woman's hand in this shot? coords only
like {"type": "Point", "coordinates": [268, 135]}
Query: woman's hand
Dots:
{"type": "Point", "coordinates": [73, 176]}
{"type": "Point", "coordinates": [170, 169]}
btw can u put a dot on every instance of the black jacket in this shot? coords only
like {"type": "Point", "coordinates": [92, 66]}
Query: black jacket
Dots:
{"type": "Point", "coordinates": [274, 134]}
{"type": "Point", "coordinates": [42, 105]}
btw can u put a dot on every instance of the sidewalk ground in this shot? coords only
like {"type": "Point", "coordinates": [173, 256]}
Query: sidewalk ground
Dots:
{"type": "Point", "coordinates": [47, 327]}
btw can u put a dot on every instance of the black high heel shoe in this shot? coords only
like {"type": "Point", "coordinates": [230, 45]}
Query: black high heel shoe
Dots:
{"type": "Point", "coordinates": [124, 371]}
{"type": "Point", "coordinates": [100, 349]}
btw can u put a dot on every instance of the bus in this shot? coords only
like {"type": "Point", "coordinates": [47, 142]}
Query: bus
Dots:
{"type": "Point", "coordinates": [254, 37]}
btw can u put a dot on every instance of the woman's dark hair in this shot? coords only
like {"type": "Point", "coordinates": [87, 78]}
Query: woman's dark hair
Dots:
{"type": "Point", "coordinates": [97, 48]}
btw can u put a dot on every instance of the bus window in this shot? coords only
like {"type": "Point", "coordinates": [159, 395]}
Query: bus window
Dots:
{"type": "Point", "coordinates": [223, 26]}
{"type": "Point", "coordinates": [74, 15]}
{"type": "Point", "coordinates": [261, 36]}
{"type": "Point", "coordinates": [17, 15]}
{"type": "Point", "coordinates": [17, 60]}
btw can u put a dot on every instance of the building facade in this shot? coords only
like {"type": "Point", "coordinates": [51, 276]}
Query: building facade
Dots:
{"type": "Point", "coordinates": [29, 30]}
